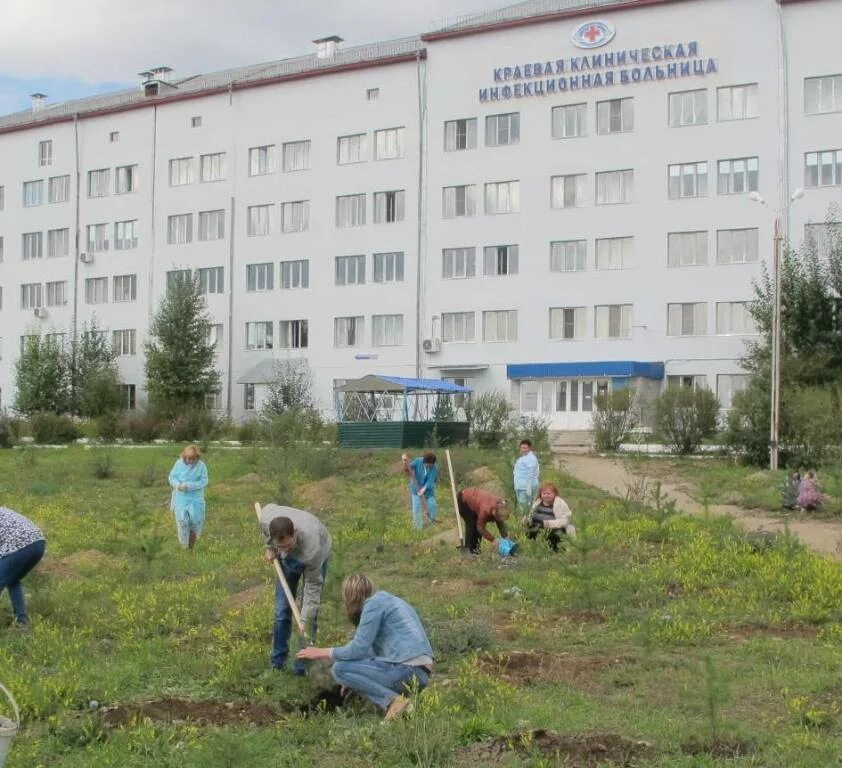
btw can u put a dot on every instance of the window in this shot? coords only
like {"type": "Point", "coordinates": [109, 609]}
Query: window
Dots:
{"type": "Point", "coordinates": [216, 336]}
{"type": "Point", "coordinates": [262, 160]}
{"type": "Point", "coordinates": [348, 331]}
{"type": "Point", "coordinates": [57, 293]}
{"type": "Point", "coordinates": [687, 319]}
{"type": "Point", "coordinates": [386, 330]}
{"type": "Point", "coordinates": [196, 121]}
{"type": "Point", "coordinates": [567, 323]}
{"type": "Point", "coordinates": [295, 216]}
{"type": "Point", "coordinates": [33, 193]}
{"type": "Point", "coordinates": [823, 169]}
{"type": "Point", "coordinates": [125, 288]}
{"type": "Point", "coordinates": [260, 277]}
{"type": "Point", "coordinates": [351, 149]}
{"type": "Point", "coordinates": [212, 225]}
{"type": "Point", "coordinates": [688, 108]}
{"type": "Point", "coordinates": [687, 249]}
{"type": "Point", "coordinates": [612, 321]}
{"type": "Point", "coordinates": [30, 295]}
{"type": "Point", "coordinates": [734, 317]}
{"type": "Point", "coordinates": [181, 171]}
{"type": "Point", "coordinates": [614, 252]}
{"type": "Point", "coordinates": [213, 400]}
{"type": "Point", "coordinates": [45, 153]}
{"type": "Point", "coordinates": [822, 94]}
{"type": "Point", "coordinates": [389, 144]}
{"type": "Point", "coordinates": [824, 238]}
{"type": "Point", "coordinates": [55, 339]}
{"type": "Point", "coordinates": [350, 270]}
{"type": "Point", "coordinates": [499, 325]}
{"type": "Point", "coordinates": [567, 191]}
{"type": "Point", "coordinates": [58, 242]}
{"type": "Point", "coordinates": [59, 190]}
{"type": "Point", "coordinates": [688, 381]}
{"type": "Point", "coordinates": [458, 263]}
{"type": "Point", "coordinates": [180, 229]}
{"type": "Point", "coordinates": [736, 246]}
{"type": "Point", "coordinates": [293, 334]}
{"type": "Point", "coordinates": [99, 182]}
{"type": "Point", "coordinates": [500, 260]}
{"type": "Point", "coordinates": [32, 245]}
{"type": "Point", "coordinates": [176, 276]}
{"type": "Point", "coordinates": [459, 201]}
{"type": "Point", "coordinates": [248, 397]}
{"type": "Point", "coordinates": [2, 197]}
{"type": "Point", "coordinates": [372, 94]}
{"type": "Point", "coordinates": [502, 129]}
{"type": "Point", "coordinates": [728, 385]}
{"type": "Point", "coordinates": [687, 180]}
{"type": "Point", "coordinates": [457, 326]}
{"type": "Point", "coordinates": [1, 249]}
{"type": "Point", "coordinates": [737, 102]}
{"type": "Point", "coordinates": [96, 290]}
{"type": "Point", "coordinates": [296, 155]}
{"type": "Point", "coordinates": [123, 342]}
{"type": "Point", "coordinates": [126, 179]}
{"type": "Point", "coordinates": [295, 274]}
{"type": "Point", "coordinates": [125, 235]}
{"type": "Point", "coordinates": [259, 220]}
{"type": "Point", "coordinates": [738, 176]}
{"type": "Point", "coordinates": [614, 187]}
{"type": "Point", "coordinates": [259, 335]}
{"type": "Point", "coordinates": [568, 256]}
{"type": "Point", "coordinates": [211, 280]}
{"type": "Point", "coordinates": [212, 167]}
{"type": "Point", "coordinates": [388, 267]}
{"type": "Point", "coordinates": [460, 134]}
{"type": "Point", "coordinates": [615, 116]}
{"type": "Point", "coordinates": [350, 210]}
{"type": "Point", "coordinates": [389, 206]}
{"type": "Point", "coordinates": [97, 238]}
{"type": "Point", "coordinates": [114, 136]}
{"type": "Point", "coordinates": [502, 197]}
{"type": "Point", "coordinates": [569, 121]}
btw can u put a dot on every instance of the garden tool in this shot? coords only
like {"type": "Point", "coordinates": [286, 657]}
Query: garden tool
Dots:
{"type": "Point", "coordinates": [455, 500]}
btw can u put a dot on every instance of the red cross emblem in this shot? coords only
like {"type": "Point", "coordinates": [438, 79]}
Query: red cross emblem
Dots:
{"type": "Point", "coordinates": [592, 33]}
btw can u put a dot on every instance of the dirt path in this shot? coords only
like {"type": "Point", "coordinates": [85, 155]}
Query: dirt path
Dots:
{"type": "Point", "coordinates": [615, 476]}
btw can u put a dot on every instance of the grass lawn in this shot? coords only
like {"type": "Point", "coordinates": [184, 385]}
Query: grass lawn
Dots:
{"type": "Point", "coordinates": [655, 641]}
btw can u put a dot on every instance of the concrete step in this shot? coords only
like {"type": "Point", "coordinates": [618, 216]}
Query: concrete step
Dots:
{"type": "Point", "coordinates": [563, 439]}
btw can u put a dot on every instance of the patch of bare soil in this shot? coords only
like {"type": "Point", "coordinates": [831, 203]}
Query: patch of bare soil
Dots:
{"type": "Point", "coordinates": [585, 750]}
{"type": "Point", "coordinates": [526, 667]}
{"type": "Point", "coordinates": [586, 617]}
{"type": "Point", "coordinates": [252, 478]}
{"type": "Point", "coordinates": [784, 631]}
{"type": "Point", "coordinates": [196, 712]}
{"type": "Point", "coordinates": [484, 477]}
{"type": "Point", "coordinates": [243, 598]}
{"type": "Point", "coordinates": [722, 747]}
{"type": "Point", "coordinates": [321, 494]}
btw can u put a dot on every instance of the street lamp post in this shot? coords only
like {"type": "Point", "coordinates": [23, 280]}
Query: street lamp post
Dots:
{"type": "Point", "coordinates": [775, 367]}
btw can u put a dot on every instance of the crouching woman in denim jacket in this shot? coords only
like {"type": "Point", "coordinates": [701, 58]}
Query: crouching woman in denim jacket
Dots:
{"type": "Point", "coordinates": [389, 653]}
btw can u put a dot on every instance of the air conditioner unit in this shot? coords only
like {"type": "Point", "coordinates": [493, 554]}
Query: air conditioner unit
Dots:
{"type": "Point", "coordinates": [431, 346]}
{"type": "Point", "coordinates": [86, 258]}
{"type": "Point", "coordinates": [40, 312]}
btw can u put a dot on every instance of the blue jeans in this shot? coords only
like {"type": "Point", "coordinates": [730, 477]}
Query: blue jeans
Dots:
{"type": "Point", "coordinates": [292, 569]}
{"type": "Point", "coordinates": [379, 681]}
{"type": "Point", "coordinates": [525, 499]}
{"type": "Point", "coordinates": [418, 511]}
{"type": "Point", "coordinates": [13, 567]}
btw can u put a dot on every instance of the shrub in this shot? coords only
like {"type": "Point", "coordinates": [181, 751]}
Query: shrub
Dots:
{"type": "Point", "coordinates": [194, 424]}
{"type": "Point", "coordinates": [684, 417]}
{"type": "Point", "coordinates": [249, 431]}
{"type": "Point", "coordinates": [148, 476]}
{"type": "Point", "coordinates": [52, 429]}
{"type": "Point", "coordinates": [142, 428]}
{"type": "Point", "coordinates": [461, 635]}
{"type": "Point", "coordinates": [536, 429]}
{"type": "Point", "coordinates": [488, 418]}
{"type": "Point", "coordinates": [103, 466]}
{"type": "Point", "coordinates": [7, 438]}
{"type": "Point", "coordinates": [613, 418]}
{"type": "Point", "coordinates": [109, 426]}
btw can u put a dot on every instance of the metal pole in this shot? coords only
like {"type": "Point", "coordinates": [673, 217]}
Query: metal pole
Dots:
{"type": "Point", "coordinates": [776, 351]}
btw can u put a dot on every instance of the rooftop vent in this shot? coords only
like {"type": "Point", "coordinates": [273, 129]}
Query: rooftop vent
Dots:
{"type": "Point", "coordinates": [156, 81]}
{"type": "Point", "coordinates": [326, 46]}
{"type": "Point", "coordinates": [38, 100]}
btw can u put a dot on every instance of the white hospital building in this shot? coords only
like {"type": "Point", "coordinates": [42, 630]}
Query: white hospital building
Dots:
{"type": "Point", "coordinates": [551, 199]}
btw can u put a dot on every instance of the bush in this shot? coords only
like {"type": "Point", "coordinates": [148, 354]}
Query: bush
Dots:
{"type": "Point", "coordinates": [102, 466]}
{"type": "Point", "coordinates": [488, 418]}
{"type": "Point", "coordinates": [811, 425]}
{"type": "Point", "coordinates": [52, 429]}
{"type": "Point", "coordinates": [109, 426]}
{"type": "Point", "coordinates": [194, 424]}
{"type": "Point", "coordinates": [684, 417]}
{"type": "Point", "coordinates": [613, 418]}
{"type": "Point", "coordinates": [249, 431]}
{"type": "Point", "coordinates": [7, 438]}
{"type": "Point", "coordinates": [536, 429]}
{"type": "Point", "coordinates": [142, 428]}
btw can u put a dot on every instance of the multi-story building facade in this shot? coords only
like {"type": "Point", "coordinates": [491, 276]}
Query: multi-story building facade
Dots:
{"type": "Point", "coordinates": [553, 199]}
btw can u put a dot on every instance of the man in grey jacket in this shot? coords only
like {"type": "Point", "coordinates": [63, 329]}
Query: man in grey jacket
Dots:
{"type": "Point", "coordinates": [302, 546]}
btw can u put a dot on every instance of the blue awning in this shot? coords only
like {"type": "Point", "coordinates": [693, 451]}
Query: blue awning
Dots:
{"type": "Point", "coordinates": [372, 383]}
{"type": "Point", "coordinates": [603, 369]}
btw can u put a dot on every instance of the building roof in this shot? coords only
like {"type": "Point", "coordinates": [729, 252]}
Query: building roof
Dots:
{"type": "Point", "coordinates": [373, 383]}
{"type": "Point", "coordinates": [251, 76]}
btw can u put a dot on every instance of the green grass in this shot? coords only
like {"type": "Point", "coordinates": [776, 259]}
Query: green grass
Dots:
{"type": "Point", "coordinates": [659, 628]}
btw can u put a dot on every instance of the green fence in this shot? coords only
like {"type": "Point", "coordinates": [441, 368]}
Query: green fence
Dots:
{"type": "Point", "coordinates": [401, 434]}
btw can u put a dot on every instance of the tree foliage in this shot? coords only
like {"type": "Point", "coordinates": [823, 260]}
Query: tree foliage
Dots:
{"type": "Point", "coordinates": [42, 380]}
{"type": "Point", "coordinates": [180, 356]}
{"type": "Point", "coordinates": [614, 416]}
{"type": "Point", "coordinates": [684, 417]}
{"type": "Point", "coordinates": [94, 376]}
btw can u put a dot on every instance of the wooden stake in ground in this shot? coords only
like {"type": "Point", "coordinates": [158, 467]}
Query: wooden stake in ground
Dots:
{"type": "Point", "coordinates": [287, 591]}
{"type": "Point", "coordinates": [455, 499]}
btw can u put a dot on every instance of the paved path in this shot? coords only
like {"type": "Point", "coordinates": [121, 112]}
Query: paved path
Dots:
{"type": "Point", "coordinates": [615, 476]}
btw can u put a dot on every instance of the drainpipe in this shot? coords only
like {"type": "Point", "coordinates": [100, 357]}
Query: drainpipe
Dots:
{"type": "Point", "coordinates": [420, 240]}
{"type": "Point", "coordinates": [74, 320]}
{"type": "Point", "coordinates": [230, 308]}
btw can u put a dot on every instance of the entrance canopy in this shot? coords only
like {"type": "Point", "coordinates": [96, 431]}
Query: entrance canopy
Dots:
{"type": "Point", "coordinates": [395, 398]}
{"type": "Point", "coordinates": [399, 384]}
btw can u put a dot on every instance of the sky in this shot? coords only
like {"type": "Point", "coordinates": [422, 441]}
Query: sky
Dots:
{"type": "Point", "coordinates": [73, 48]}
